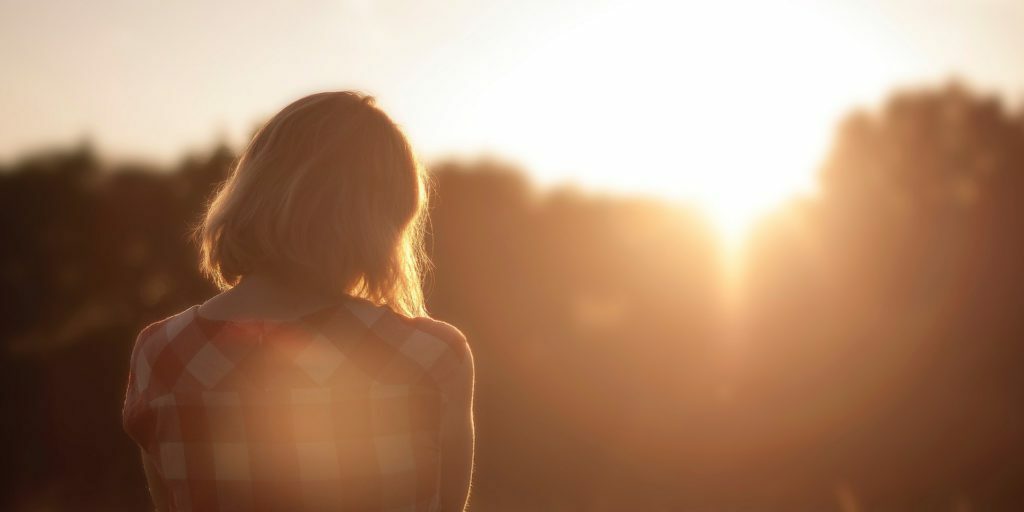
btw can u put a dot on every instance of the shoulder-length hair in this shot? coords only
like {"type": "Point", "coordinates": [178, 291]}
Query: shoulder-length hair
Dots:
{"type": "Point", "coordinates": [328, 194]}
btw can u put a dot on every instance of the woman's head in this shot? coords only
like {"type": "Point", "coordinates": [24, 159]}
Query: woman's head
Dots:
{"type": "Point", "coordinates": [328, 194]}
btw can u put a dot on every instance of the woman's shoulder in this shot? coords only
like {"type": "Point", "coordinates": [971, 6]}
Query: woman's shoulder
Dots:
{"type": "Point", "coordinates": [436, 343]}
{"type": "Point", "coordinates": [162, 331]}
{"type": "Point", "coordinates": [446, 349]}
{"type": "Point", "coordinates": [145, 366]}
{"type": "Point", "coordinates": [425, 333]}
{"type": "Point", "coordinates": [438, 348]}
{"type": "Point", "coordinates": [444, 331]}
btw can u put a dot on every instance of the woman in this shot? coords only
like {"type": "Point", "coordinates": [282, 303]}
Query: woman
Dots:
{"type": "Point", "coordinates": [315, 380]}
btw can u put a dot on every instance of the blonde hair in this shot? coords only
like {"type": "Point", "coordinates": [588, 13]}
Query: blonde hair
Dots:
{"type": "Point", "coordinates": [329, 194]}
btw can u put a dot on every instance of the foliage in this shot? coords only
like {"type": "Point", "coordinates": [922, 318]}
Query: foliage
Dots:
{"type": "Point", "coordinates": [875, 361]}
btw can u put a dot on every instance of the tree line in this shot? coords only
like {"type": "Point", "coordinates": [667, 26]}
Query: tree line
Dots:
{"type": "Point", "coordinates": [875, 359]}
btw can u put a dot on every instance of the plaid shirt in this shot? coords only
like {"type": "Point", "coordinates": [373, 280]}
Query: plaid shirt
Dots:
{"type": "Point", "coordinates": [341, 409]}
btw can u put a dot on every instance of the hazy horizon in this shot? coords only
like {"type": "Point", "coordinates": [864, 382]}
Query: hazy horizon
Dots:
{"type": "Point", "coordinates": [661, 92]}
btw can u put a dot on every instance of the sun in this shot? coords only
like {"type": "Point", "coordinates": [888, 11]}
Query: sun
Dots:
{"type": "Point", "coordinates": [725, 105]}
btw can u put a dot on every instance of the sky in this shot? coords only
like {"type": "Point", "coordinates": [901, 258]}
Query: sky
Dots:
{"type": "Point", "coordinates": [729, 104]}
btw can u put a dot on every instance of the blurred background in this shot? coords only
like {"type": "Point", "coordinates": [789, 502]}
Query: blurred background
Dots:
{"type": "Point", "coordinates": [738, 256]}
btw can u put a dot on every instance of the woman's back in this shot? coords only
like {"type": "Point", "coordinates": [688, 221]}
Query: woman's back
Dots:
{"type": "Point", "coordinates": [244, 403]}
{"type": "Point", "coordinates": [343, 408]}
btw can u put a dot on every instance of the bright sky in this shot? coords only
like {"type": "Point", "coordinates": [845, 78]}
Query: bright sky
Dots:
{"type": "Point", "coordinates": [726, 103]}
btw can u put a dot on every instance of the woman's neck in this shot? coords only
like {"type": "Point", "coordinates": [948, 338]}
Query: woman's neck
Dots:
{"type": "Point", "coordinates": [263, 295]}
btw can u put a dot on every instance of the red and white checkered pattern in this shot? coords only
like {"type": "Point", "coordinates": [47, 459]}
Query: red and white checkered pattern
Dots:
{"type": "Point", "coordinates": [339, 410]}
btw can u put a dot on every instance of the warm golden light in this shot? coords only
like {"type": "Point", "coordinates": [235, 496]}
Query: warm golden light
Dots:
{"type": "Point", "coordinates": [646, 96]}
{"type": "Point", "coordinates": [654, 98]}
{"type": "Point", "coordinates": [686, 255]}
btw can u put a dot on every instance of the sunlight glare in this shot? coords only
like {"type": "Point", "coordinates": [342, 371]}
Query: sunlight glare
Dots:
{"type": "Point", "coordinates": [726, 105]}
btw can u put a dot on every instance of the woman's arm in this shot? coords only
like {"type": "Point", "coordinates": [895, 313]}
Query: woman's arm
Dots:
{"type": "Point", "coordinates": [457, 440]}
{"type": "Point", "coordinates": [156, 486]}
{"type": "Point", "coordinates": [457, 429]}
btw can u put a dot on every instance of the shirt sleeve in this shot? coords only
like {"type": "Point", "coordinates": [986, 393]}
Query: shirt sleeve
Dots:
{"type": "Point", "coordinates": [453, 370]}
{"type": "Point", "coordinates": [456, 376]}
{"type": "Point", "coordinates": [136, 414]}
